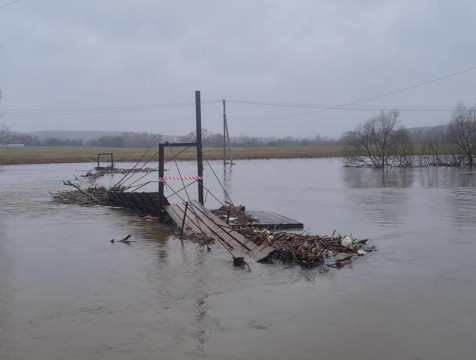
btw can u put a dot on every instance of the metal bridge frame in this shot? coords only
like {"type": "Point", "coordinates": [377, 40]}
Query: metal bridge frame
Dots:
{"type": "Point", "coordinates": [197, 144]}
{"type": "Point", "coordinates": [111, 160]}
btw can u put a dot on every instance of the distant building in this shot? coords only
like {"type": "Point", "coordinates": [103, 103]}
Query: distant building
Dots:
{"type": "Point", "coordinates": [12, 145]}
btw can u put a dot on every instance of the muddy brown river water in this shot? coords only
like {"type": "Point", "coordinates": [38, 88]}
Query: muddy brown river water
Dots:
{"type": "Point", "coordinates": [66, 292]}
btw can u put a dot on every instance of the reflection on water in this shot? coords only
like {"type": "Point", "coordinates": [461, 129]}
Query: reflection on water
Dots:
{"type": "Point", "coordinates": [462, 206]}
{"type": "Point", "coordinates": [378, 178]}
{"type": "Point", "coordinates": [67, 292]}
{"type": "Point", "coordinates": [381, 198]}
{"type": "Point", "coordinates": [382, 206]}
{"type": "Point", "coordinates": [227, 183]}
{"type": "Point", "coordinates": [446, 177]}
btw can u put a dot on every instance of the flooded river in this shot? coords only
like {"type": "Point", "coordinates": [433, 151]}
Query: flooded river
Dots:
{"type": "Point", "coordinates": [66, 292]}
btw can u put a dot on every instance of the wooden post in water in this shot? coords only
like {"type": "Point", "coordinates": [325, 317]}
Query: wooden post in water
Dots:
{"type": "Point", "coordinates": [161, 183]}
{"type": "Point", "coordinates": [198, 114]}
{"type": "Point", "coordinates": [226, 137]}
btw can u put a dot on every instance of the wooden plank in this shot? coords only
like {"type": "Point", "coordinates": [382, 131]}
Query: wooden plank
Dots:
{"type": "Point", "coordinates": [199, 219]}
{"type": "Point", "coordinates": [176, 213]}
{"type": "Point", "coordinates": [191, 221]}
{"type": "Point", "coordinates": [173, 214]}
{"type": "Point", "coordinates": [230, 236]}
{"type": "Point", "coordinates": [218, 232]}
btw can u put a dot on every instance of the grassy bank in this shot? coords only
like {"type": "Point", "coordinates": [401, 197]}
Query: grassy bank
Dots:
{"type": "Point", "coordinates": [59, 154]}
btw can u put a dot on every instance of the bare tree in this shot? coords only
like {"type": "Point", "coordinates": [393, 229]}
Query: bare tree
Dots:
{"type": "Point", "coordinates": [438, 150]}
{"type": "Point", "coordinates": [462, 132]}
{"type": "Point", "coordinates": [4, 134]}
{"type": "Point", "coordinates": [400, 149]}
{"type": "Point", "coordinates": [4, 131]}
{"type": "Point", "coordinates": [379, 142]}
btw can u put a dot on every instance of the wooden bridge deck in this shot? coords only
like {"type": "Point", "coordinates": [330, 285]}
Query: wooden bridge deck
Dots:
{"type": "Point", "coordinates": [199, 219]}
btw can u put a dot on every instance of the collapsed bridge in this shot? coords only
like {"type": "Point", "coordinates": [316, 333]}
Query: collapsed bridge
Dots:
{"type": "Point", "coordinates": [258, 236]}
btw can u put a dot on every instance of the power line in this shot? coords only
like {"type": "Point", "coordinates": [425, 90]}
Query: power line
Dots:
{"type": "Point", "coordinates": [13, 2]}
{"type": "Point", "coordinates": [413, 86]}
{"type": "Point", "coordinates": [346, 106]}
{"type": "Point", "coordinates": [94, 110]}
{"type": "Point", "coordinates": [339, 107]}
{"type": "Point", "coordinates": [103, 108]}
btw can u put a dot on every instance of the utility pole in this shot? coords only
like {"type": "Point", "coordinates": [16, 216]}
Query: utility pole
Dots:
{"type": "Point", "coordinates": [224, 133]}
{"type": "Point", "coordinates": [226, 137]}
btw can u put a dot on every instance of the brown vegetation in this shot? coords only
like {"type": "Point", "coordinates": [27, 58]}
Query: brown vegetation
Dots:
{"type": "Point", "coordinates": [46, 155]}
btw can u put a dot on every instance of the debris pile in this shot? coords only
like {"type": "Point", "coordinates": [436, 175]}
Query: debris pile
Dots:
{"type": "Point", "coordinates": [306, 250]}
{"type": "Point", "coordinates": [313, 250]}
{"type": "Point", "coordinates": [234, 215]}
{"type": "Point", "coordinates": [84, 196]}
{"type": "Point", "coordinates": [99, 172]}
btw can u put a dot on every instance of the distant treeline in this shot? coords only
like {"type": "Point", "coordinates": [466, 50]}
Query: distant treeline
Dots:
{"type": "Point", "coordinates": [214, 140]}
{"type": "Point", "coordinates": [415, 136]}
{"type": "Point", "coordinates": [29, 140]}
{"type": "Point", "coordinates": [126, 140]}
{"type": "Point", "coordinates": [144, 140]}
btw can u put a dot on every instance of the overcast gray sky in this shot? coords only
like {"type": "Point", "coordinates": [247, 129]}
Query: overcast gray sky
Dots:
{"type": "Point", "coordinates": [111, 54]}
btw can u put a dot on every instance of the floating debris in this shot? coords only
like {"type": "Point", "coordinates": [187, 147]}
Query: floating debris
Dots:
{"type": "Point", "coordinates": [151, 218]}
{"type": "Point", "coordinates": [124, 240]}
{"type": "Point", "coordinates": [202, 239]}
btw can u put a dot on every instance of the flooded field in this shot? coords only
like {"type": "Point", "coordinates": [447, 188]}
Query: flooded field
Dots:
{"type": "Point", "coordinates": [66, 292]}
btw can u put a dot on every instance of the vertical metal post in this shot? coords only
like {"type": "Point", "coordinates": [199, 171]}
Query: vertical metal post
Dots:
{"type": "Point", "coordinates": [224, 133]}
{"type": "Point", "coordinates": [199, 145]}
{"type": "Point", "coordinates": [161, 184]}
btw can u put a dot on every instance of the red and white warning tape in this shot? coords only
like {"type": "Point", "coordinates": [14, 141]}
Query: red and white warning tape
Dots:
{"type": "Point", "coordinates": [167, 178]}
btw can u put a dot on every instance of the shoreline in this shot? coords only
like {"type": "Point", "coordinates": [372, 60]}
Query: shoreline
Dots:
{"type": "Point", "coordinates": [67, 155]}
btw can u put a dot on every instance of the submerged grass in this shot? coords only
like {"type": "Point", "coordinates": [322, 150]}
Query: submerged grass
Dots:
{"type": "Point", "coordinates": [69, 154]}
